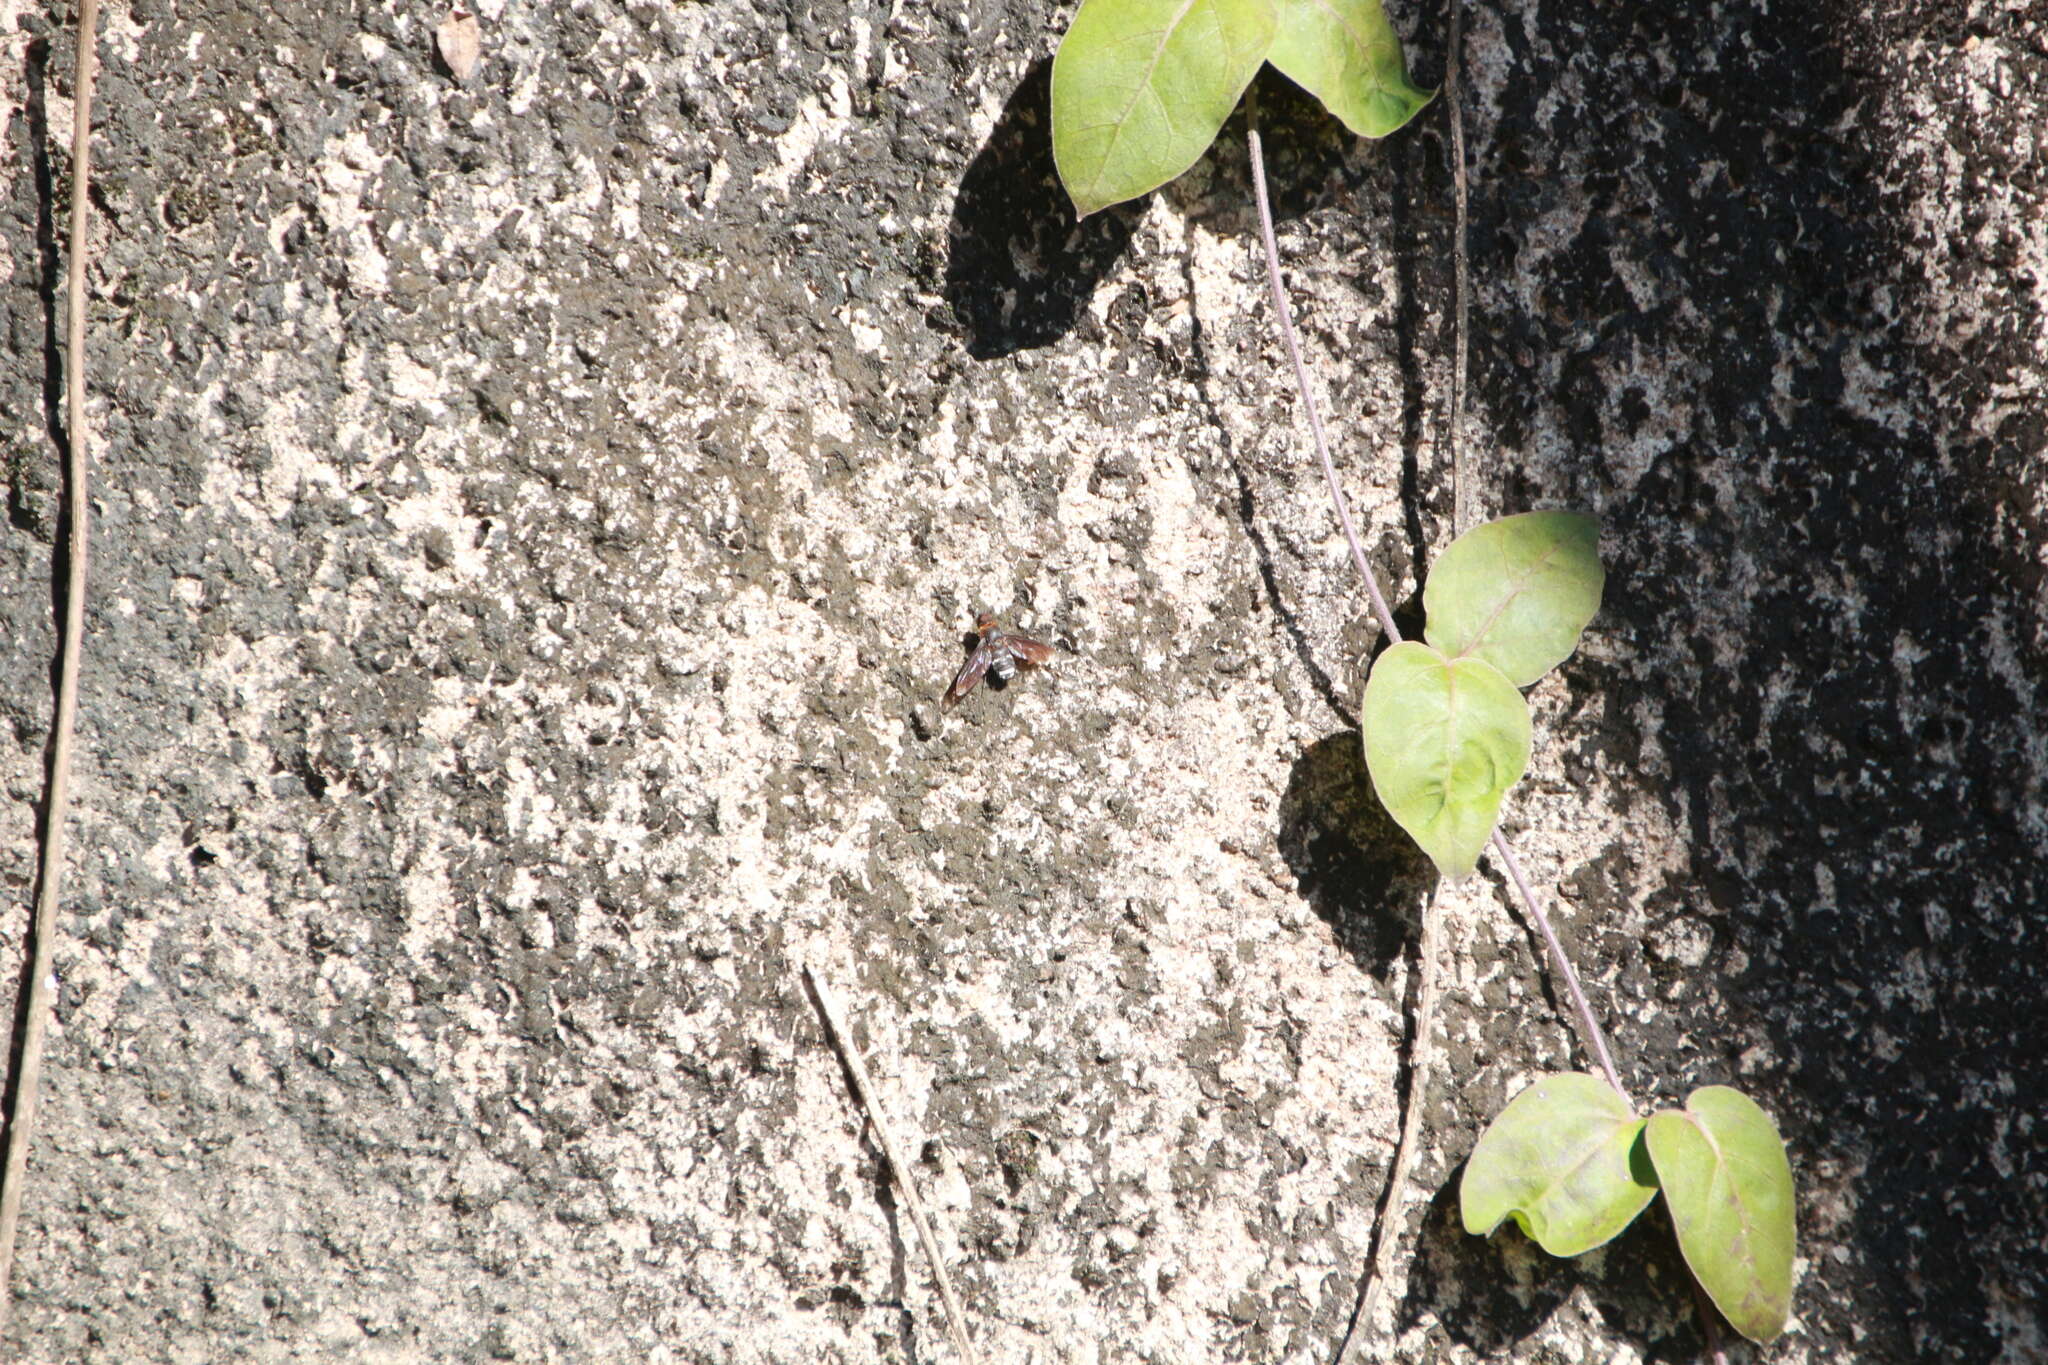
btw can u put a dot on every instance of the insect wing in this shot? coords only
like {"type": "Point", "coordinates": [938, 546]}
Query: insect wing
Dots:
{"type": "Point", "coordinates": [1029, 651]}
{"type": "Point", "coordinates": [977, 664]}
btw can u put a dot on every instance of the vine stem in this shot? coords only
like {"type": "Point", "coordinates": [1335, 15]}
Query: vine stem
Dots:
{"type": "Point", "coordinates": [1709, 1323]}
{"type": "Point", "coordinates": [1308, 401]}
{"type": "Point", "coordinates": [50, 873]}
{"type": "Point", "coordinates": [1594, 1036]}
{"type": "Point", "coordinates": [1461, 492]}
{"type": "Point", "coordinates": [1373, 1288]}
{"type": "Point", "coordinates": [1596, 1040]}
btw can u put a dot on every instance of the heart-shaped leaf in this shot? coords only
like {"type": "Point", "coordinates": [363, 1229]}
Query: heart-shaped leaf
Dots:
{"type": "Point", "coordinates": [1444, 740]}
{"type": "Point", "coordinates": [1728, 1184]}
{"type": "Point", "coordinates": [1140, 89]}
{"type": "Point", "coordinates": [1346, 54]}
{"type": "Point", "coordinates": [1516, 592]}
{"type": "Point", "coordinates": [1563, 1161]}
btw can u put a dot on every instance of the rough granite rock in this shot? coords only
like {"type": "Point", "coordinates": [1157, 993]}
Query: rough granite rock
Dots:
{"type": "Point", "coordinates": [535, 515]}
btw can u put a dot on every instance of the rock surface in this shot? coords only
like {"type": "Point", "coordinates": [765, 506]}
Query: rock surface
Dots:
{"type": "Point", "coordinates": [535, 514]}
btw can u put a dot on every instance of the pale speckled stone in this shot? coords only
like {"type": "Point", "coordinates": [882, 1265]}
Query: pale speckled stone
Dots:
{"type": "Point", "coordinates": [535, 519]}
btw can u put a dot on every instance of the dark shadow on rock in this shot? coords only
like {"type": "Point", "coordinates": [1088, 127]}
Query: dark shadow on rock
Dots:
{"type": "Point", "coordinates": [1290, 620]}
{"type": "Point", "coordinates": [1416, 254]}
{"type": "Point", "coordinates": [1020, 269]}
{"type": "Point", "coordinates": [1491, 1294]}
{"type": "Point", "coordinates": [1488, 1293]}
{"type": "Point", "coordinates": [27, 485]}
{"type": "Point", "coordinates": [899, 1268]}
{"type": "Point", "coordinates": [1824, 538]}
{"type": "Point", "coordinates": [1356, 867]}
{"type": "Point", "coordinates": [1642, 1287]}
{"type": "Point", "coordinates": [1305, 149]}
{"type": "Point", "coordinates": [37, 107]}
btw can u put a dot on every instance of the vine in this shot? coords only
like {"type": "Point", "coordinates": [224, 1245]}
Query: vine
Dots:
{"type": "Point", "coordinates": [1140, 89]}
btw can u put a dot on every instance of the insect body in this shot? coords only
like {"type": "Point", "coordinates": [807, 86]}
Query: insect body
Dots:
{"type": "Point", "coordinates": [998, 653]}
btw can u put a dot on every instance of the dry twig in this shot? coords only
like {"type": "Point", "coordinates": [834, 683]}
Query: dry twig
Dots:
{"type": "Point", "coordinates": [1392, 1223]}
{"type": "Point", "coordinates": [1461, 491]}
{"type": "Point", "coordinates": [50, 873]}
{"type": "Point", "coordinates": [899, 1168]}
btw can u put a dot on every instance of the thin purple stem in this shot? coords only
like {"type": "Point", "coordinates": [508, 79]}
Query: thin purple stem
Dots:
{"type": "Point", "coordinates": [1594, 1036]}
{"type": "Point", "coordinates": [1308, 401]}
{"type": "Point", "coordinates": [1709, 1322]}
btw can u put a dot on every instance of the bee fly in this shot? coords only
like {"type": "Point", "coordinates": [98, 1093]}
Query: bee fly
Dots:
{"type": "Point", "coordinates": [997, 653]}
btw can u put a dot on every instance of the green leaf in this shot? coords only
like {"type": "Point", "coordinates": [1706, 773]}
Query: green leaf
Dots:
{"type": "Point", "coordinates": [1563, 1161]}
{"type": "Point", "coordinates": [1346, 54]}
{"type": "Point", "coordinates": [1728, 1184]}
{"type": "Point", "coordinates": [1444, 740]}
{"type": "Point", "coordinates": [1516, 592]}
{"type": "Point", "coordinates": [1140, 89]}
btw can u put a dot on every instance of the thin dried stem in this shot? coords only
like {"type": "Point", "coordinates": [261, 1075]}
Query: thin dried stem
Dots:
{"type": "Point", "coordinates": [77, 511]}
{"type": "Point", "coordinates": [1461, 488]}
{"type": "Point", "coordinates": [1392, 1223]}
{"type": "Point", "coordinates": [899, 1167]}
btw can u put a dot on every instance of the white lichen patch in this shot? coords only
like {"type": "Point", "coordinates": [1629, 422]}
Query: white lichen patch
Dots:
{"type": "Point", "coordinates": [345, 174]}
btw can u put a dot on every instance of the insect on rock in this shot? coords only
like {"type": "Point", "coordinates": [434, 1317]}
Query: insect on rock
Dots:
{"type": "Point", "coordinates": [997, 653]}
